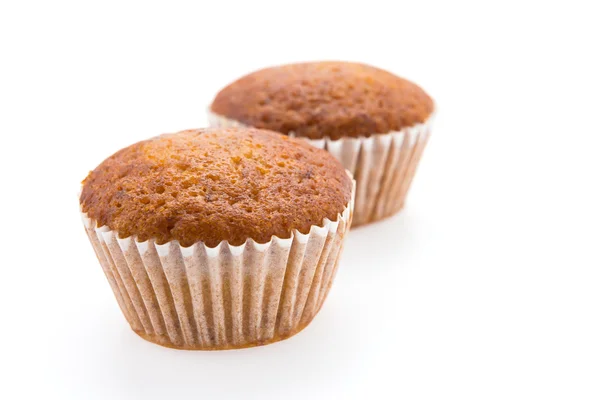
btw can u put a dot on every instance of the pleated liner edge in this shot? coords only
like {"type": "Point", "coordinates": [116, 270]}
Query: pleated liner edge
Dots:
{"type": "Point", "coordinates": [226, 297]}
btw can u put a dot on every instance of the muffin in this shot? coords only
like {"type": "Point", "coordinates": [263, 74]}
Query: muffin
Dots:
{"type": "Point", "coordinates": [374, 122]}
{"type": "Point", "coordinates": [218, 238]}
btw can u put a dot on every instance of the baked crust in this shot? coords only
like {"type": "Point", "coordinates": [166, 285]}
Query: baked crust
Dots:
{"type": "Point", "coordinates": [324, 99]}
{"type": "Point", "coordinates": [212, 185]}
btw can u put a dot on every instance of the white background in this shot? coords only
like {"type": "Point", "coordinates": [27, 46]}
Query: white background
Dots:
{"type": "Point", "coordinates": [485, 287]}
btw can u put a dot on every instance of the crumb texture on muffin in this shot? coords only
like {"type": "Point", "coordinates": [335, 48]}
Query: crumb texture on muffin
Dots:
{"type": "Point", "coordinates": [211, 185]}
{"type": "Point", "coordinates": [324, 99]}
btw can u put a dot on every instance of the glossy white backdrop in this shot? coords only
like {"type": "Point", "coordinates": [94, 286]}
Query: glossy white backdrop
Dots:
{"type": "Point", "coordinates": [485, 287]}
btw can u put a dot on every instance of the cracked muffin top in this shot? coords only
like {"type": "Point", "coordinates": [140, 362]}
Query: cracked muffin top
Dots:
{"type": "Point", "coordinates": [212, 185]}
{"type": "Point", "coordinates": [324, 99]}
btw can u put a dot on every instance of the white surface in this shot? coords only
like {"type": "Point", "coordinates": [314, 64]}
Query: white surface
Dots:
{"type": "Point", "coordinates": [486, 287]}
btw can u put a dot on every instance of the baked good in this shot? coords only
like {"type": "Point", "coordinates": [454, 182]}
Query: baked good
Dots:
{"type": "Point", "coordinates": [374, 122]}
{"type": "Point", "coordinates": [218, 238]}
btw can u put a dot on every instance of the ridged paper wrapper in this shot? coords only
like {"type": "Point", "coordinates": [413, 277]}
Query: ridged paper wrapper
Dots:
{"type": "Point", "coordinates": [225, 297]}
{"type": "Point", "coordinates": [382, 164]}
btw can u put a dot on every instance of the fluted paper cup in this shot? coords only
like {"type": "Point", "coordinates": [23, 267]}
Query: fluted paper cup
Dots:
{"type": "Point", "coordinates": [382, 164]}
{"type": "Point", "coordinates": [226, 297]}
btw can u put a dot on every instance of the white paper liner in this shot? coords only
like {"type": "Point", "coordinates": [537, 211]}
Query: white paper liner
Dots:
{"type": "Point", "coordinates": [224, 297]}
{"type": "Point", "coordinates": [383, 165]}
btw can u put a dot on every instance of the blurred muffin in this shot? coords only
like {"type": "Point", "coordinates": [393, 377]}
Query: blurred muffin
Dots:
{"type": "Point", "coordinates": [375, 123]}
{"type": "Point", "coordinates": [218, 238]}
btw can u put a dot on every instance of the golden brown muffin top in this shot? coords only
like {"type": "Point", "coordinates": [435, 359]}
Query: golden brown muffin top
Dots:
{"type": "Point", "coordinates": [324, 99]}
{"type": "Point", "coordinates": [216, 184]}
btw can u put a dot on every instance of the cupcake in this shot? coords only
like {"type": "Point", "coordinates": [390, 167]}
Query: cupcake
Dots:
{"type": "Point", "coordinates": [375, 123]}
{"type": "Point", "coordinates": [218, 238]}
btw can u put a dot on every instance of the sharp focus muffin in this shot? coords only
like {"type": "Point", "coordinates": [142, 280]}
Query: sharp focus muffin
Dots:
{"type": "Point", "coordinates": [374, 122]}
{"type": "Point", "coordinates": [218, 238]}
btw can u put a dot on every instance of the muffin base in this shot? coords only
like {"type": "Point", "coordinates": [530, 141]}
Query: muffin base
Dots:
{"type": "Point", "coordinates": [224, 297]}
{"type": "Point", "coordinates": [164, 341]}
{"type": "Point", "coordinates": [382, 164]}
